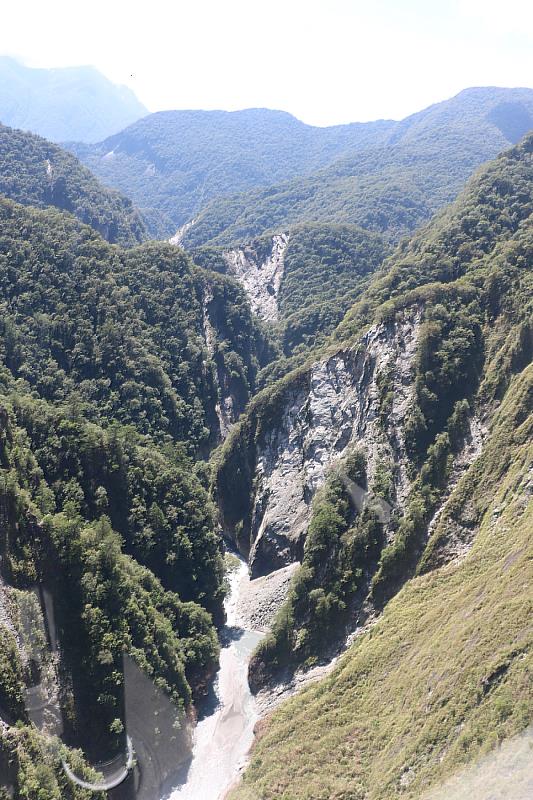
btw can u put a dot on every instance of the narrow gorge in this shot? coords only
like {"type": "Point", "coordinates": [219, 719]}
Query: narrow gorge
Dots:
{"type": "Point", "coordinates": [266, 455]}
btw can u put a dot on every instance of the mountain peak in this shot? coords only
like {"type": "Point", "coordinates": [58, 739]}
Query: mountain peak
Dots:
{"type": "Point", "coordinates": [64, 103]}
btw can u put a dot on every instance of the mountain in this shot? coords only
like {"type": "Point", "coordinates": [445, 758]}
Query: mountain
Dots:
{"type": "Point", "coordinates": [76, 103]}
{"type": "Point", "coordinates": [229, 177]}
{"type": "Point", "coordinates": [176, 161]}
{"type": "Point", "coordinates": [396, 467]}
{"type": "Point", "coordinates": [120, 370]}
{"type": "Point", "coordinates": [36, 172]}
{"type": "Point", "coordinates": [353, 414]}
{"type": "Point", "coordinates": [390, 185]}
{"type": "Point", "coordinates": [300, 283]}
{"type": "Point", "coordinates": [124, 331]}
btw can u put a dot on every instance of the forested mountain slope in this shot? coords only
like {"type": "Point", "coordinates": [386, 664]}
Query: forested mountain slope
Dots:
{"type": "Point", "coordinates": [71, 103]}
{"type": "Point", "coordinates": [38, 173]}
{"type": "Point", "coordinates": [302, 282]}
{"type": "Point", "coordinates": [125, 331]}
{"type": "Point", "coordinates": [390, 185]}
{"type": "Point", "coordinates": [177, 161]}
{"type": "Point", "coordinates": [401, 458]}
{"type": "Point", "coordinates": [82, 509]}
{"type": "Point", "coordinates": [119, 370]}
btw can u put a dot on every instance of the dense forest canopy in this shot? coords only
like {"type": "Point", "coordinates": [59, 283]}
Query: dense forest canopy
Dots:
{"type": "Point", "coordinates": [37, 173]}
{"type": "Point", "coordinates": [326, 268]}
{"type": "Point", "coordinates": [176, 161]}
{"type": "Point", "coordinates": [122, 331]}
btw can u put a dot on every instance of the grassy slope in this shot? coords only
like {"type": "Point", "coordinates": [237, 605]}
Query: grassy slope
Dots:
{"type": "Point", "coordinates": [445, 673]}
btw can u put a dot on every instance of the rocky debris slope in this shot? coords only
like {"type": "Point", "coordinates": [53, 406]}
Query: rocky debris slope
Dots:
{"type": "Point", "coordinates": [178, 237]}
{"type": "Point", "coordinates": [333, 411]}
{"type": "Point", "coordinates": [6, 611]}
{"type": "Point", "coordinates": [261, 598]}
{"type": "Point", "coordinates": [259, 274]}
{"type": "Point", "coordinates": [234, 347]}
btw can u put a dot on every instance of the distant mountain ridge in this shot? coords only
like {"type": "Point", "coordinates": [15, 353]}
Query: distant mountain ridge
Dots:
{"type": "Point", "coordinates": [236, 175]}
{"type": "Point", "coordinates": [392, 186]}
{"type": "Point", "coordinates": [178, 161]}
{"type": "Point", "coordinates": [67, 103]}
{"type": "Point", "coordinates": [508, 110]}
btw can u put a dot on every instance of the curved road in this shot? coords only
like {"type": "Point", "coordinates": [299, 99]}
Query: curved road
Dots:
{"type": "Point", "coordinates": [109, 783]}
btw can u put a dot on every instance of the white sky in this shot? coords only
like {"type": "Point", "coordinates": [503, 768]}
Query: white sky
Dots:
{"type": "Point", "coordinates": [325, 61]}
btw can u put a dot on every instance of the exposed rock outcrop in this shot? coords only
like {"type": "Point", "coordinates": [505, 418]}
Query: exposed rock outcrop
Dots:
{"type": "Point", "coordinates": [261, 276]}
{"type": "Point", "coordinates": [230, 368]}
{"type": "Point", "coordinates": [335, 409]}
{"type": "Point", "coordinates": [261, 598]}
{"type": "Point", "coordinates": [225, 404]}
{"type": "Point", "coordinates": [180, 234]}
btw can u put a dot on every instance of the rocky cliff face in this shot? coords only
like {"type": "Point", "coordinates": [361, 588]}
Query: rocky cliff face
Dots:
{"type": "Point", "coordinates": [235, 347]}
{"type": "Point", "coordinates": [332, 409]}
{"type": "Point", "coordinates": [227, 406]}
{"type": "Point", "coordinates": [260, 274]}
{"type": "Point", "coordinates": [460, 531]}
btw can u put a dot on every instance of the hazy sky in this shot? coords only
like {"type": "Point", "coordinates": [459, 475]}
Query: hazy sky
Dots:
{"type": "Point", "coordinates": [326, 61]}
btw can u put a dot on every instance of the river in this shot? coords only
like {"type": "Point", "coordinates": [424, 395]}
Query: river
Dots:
{"type": "Point", "coordinates": [224, 733]}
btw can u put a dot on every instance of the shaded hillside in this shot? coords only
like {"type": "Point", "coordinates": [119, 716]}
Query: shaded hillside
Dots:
{"type": "Point", "coordinates": [401, 458]}
{"type": "Point", "coordinates": [67, 103]}
{"type": "Point", "coordinates": [38, 173]}
{"type": "Point", "coordinates": [119, 369]}
{"type": "Point", "coordinates": [140, 335]}
{"type": "Point", "coordinates": [177, 161]}
{"type": "Point", "coordinates": [82, 509]}
{"type": "Point", "coordinates": [390, 185]}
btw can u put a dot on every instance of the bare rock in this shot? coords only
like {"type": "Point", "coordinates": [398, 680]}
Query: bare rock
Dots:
{"type": "Point", "coordinates": [260, 278]}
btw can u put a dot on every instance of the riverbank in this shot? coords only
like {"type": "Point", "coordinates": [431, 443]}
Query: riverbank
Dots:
{"type": "Point", "coordinates": [224, 733]}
